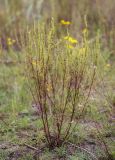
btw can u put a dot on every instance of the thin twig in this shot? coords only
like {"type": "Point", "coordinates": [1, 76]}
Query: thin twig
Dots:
{"type": "Point", "coordinates": [31, 147]}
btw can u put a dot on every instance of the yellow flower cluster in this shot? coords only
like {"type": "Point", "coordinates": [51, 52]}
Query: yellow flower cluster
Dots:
{"type": "Point", "coordinates": [10, 41]}
{"type": "Point", "coordinates": [63, 22]}
{"type": "Point", "coordinates": [71, 40]}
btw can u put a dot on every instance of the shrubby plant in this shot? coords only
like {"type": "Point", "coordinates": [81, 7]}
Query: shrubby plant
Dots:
{"type": "Point", "coordinates": [60, 77]}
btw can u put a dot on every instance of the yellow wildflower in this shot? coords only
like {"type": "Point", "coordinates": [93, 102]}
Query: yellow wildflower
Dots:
{"type": "Point", "coordinates": [71, 40]}
{"type": "Point", "coordinates": [74, 41]}
{"type": "Point", "coordinates": [10, 41]}
{"type": "Point", "coordinates": [63, 22]}
{"type": "Point", "coordinates": [66, 37]}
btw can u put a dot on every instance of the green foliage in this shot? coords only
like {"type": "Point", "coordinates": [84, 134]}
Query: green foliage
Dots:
{"type": "Point", "coordinates": [80, 156]}
{"type": "Point", "coordinates": [61, 152]}
{"type": "Point", "coordinates": [3, 155]}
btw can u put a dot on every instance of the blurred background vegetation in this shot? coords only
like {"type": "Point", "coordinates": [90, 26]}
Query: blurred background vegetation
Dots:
{"type": "Point", "coordinates": [100, 15]}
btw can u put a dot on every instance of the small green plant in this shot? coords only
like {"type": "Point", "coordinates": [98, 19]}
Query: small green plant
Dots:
{"type": "Point", "coordinates": [107, 150]}
{"type": "Point", "coordinates": [61, 151]}
{"type": "Point", "coordinates": [79, 156]}
{"type": "Point", "coordinates": [3, 154]}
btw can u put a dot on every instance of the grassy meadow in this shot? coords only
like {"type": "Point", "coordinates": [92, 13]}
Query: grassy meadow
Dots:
{"type": "Point", "coordinates": [57, 80]}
